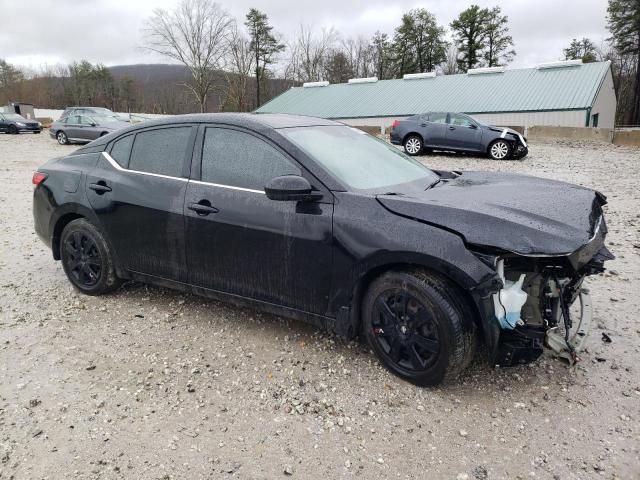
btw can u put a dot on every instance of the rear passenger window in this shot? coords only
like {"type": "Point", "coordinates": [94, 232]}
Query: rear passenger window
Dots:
{"type": "Point", "coordinates": [121, 149]}
{"type": "Point", "coordinates": [160, 151]}
{"type": "Point", "coordinates": [438, 118]}
{"type": "Point", "coordinates": [238, 159]}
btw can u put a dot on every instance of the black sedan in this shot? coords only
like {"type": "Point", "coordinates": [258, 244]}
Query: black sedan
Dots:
{"type": "Point", "coordinates": [315, 220]}
{"type": "Point", "coordinates": [14, 123]}
{"type": "Point", "coordinates": [457, 132]}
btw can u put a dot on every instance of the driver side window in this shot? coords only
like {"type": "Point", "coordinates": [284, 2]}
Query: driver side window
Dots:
{"type": "Point", "coordinates": [238, 159]}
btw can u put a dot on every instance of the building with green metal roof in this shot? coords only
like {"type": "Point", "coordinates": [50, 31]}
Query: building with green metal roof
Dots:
{"type": "Point", "coordinates": [566, 93]}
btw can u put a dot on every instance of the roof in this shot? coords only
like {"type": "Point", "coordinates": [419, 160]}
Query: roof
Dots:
{"type": "Point", "coordinates": [527, 89]}
{"type": "Point", "coordinates": [249, 120]}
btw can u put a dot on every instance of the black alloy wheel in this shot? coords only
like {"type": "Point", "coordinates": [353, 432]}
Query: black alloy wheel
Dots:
{"type": "Point", "coordinates": [405, 331]}
{"type": "Point", "coordinates": [87, 259]}
{"type": "Point", "coordinates": [13, 130]}
{"type": "Point", "coordinates": [419, 326]}
{"type": "Point", "coordinates": [83, 259]}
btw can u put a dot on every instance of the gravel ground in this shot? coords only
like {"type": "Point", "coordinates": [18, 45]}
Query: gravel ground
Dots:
{"type": "Point", "coordinates": [150, 383]}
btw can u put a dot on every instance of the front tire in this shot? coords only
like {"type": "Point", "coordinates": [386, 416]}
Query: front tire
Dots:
{"type": "Point", "coordinates": [420, 328]}
{"type": "Point", "coordinates": [500, 150]}
{"type": "Point", "coordinates": [12, 130]}
{"type": "Point", "coordinates": [62, 138]}
{"type": "Point", "coordinates": [87, 259]}
{"type": "Point", "coordinates": [413, 145]}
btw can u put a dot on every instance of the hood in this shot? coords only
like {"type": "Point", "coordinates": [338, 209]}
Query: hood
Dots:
{"type": "Point", "coordinates": [115, 125]}
{"type": "Point", "coordinates": [516, 213]}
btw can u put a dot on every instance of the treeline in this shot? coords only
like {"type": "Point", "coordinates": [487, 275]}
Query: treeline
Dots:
{"type": "Point", "coordinates": [237, 66]}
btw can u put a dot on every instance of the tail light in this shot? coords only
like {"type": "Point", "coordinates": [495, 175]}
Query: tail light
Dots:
{"type": "Point", "coordinates": [395, 124]}
{"type": "Point", "coordinates": [38, 178]}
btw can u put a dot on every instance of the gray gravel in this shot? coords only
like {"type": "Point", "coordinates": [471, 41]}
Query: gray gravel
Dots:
{"type": "Point", "coordinates": [150, 383]}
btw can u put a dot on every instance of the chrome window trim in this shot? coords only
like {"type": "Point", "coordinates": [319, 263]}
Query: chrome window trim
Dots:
{"type": "Point", "coordinates": [117, 166]}
{"type": "Point", "coordinates": [241, 189]}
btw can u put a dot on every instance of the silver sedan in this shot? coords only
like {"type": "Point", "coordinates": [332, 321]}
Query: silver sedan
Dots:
{"type": "Point", "coordinates": [84, 128]}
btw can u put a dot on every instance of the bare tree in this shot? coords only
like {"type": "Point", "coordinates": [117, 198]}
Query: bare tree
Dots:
{"type": "Point", "coordinates": [361, 55]}
{"type": "Point", "coordinates": [241, 62]}
{"type": "Point", "coordinates": [450, 65]}
{"type": "Point", "coordinates": [196, 34]}
{"type": "Point", "coordinates": [309, 53]}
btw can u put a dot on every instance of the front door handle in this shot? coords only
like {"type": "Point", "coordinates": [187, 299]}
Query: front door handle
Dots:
{"type": "Point", "coordinates": [203, 208]}
{"type": "Point", "coordinates": [452, 128]}
{"type": "Point", "coordinates": [100, 187]}
{"type": "Point", "coordinates": [423, 124]}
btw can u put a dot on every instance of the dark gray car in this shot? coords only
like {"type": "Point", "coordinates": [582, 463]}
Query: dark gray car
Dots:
{"type": "Point", "coordinates": [84, 128]}
{"type": "Point", "coordinates": [459, 133]}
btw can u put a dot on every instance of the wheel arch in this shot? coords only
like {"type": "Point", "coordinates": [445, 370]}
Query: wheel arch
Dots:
{"type": "Point", "coordinates": [407, 135]}
{"type": "Point", "coordinates": [447, 272]}
{"type": "Point", "coordinates": [508, 140]}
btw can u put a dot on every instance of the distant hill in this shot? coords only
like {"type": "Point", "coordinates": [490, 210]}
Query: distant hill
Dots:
{"type": "Point", "coordinates": [159, 87]}
{"type": "Point", "coordinates": [154, 72]}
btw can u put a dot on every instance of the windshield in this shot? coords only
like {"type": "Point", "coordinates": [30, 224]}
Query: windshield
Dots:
{"type": "Point", "coordinates": [359, 160]}
{"type": "Point", "coordinates": [13, 116]}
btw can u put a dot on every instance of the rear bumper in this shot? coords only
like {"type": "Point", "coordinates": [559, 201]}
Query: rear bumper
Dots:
{"type": "Point", "coordinates": [395, 138]}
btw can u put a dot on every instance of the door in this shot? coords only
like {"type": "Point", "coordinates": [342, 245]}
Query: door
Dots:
{"type": "Point", "coordinates": [433, 128]}
{"type": "Point", "coordinates": [137, 191]}
{"type": "Point", "coordinates": [463, 133]}
{"type": "Point", "coordinates": [88, 129]}
{"type": "Point", "coordinates": [72, 127]}
{"type": "Point", "coordinates": [242, 243]}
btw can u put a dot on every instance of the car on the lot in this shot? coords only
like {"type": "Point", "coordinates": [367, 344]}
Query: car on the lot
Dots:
{"type": "Point", "coordinates": [14, 123]}
{"type": "Point", "coordinates": [84, 128]}
{"type": "Point", "coordinates": [457, 132]}
{"type": "Point", "coordinates": [316, 220]}
{"type": "Point", "coordinates": [87, 111]}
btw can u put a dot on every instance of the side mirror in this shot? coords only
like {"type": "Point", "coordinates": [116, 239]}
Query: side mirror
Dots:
{"type": "Point", "coordinates": [93, 124]}
{"type": "Point", "coordinates": [473, 125]}
{"type": "Point", "coordinates": [290, 188]}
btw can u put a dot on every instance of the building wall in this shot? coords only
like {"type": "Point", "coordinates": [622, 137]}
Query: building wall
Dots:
{"type": "Point", "coordinates": [568, 118]}
{"type": "Point", "coordinates": [605, 103]}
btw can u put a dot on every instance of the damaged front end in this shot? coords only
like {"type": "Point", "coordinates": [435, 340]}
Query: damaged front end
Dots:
{"type": "Point", "coordinates": [542, 302]}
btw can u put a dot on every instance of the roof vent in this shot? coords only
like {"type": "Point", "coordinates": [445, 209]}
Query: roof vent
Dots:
{"type": "Point", "coordinates": [561, 64]}
{"type": "Point", "coordinates": [363, 80]}
{"type": "Point", "coordinates": [315, 84]}
{"type": "Point", "coordinates": [485, 71]}
{"type": "Point", "coordinates": [417, 76]}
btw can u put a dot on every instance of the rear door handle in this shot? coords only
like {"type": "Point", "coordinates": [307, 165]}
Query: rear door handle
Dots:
{"type": "Point", "coordinates": [203, 207]}
{"type": "Point", "coordinates": [100, 187]}
{"type": "Point", "coordinates": [452, 128]}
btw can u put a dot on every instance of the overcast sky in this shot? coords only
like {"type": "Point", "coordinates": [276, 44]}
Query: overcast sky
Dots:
{"type": "Point", "coordinates": [39, 32]}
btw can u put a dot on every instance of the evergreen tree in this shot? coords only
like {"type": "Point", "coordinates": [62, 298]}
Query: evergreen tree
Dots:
{"type": "Point", "coordinates": [498, 42]}
{"type": "Point", "coordinates": [583, 50]}
{"type": "Point", "coordinates": [264, 45]}
{"type": "Point", "coordinates": [470, 36]}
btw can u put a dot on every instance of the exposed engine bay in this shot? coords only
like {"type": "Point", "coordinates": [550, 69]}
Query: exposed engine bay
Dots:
{"type": "Point", "coordinates": [543, 303]}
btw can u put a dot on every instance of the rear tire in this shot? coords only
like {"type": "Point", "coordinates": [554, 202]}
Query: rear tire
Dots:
{"type": "Point", "coordinates": [500, 150]}
{"type": "Point", "coordinates": [62, 138]}
{"type": "Point", "coordinates": [419, 326]}
{"type": "Point", "coordinates": [87, 258]}
{"type": "Point", "coordinates": [413, 145]}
